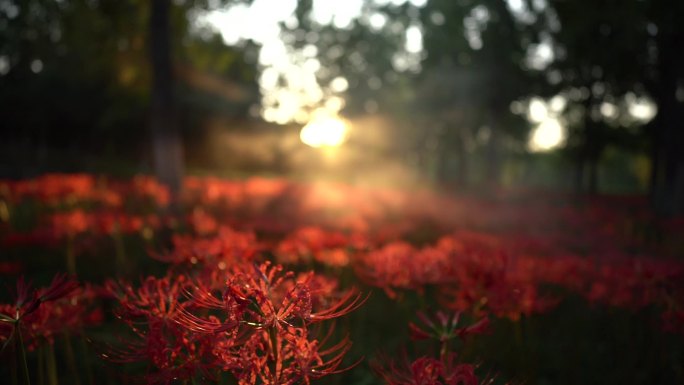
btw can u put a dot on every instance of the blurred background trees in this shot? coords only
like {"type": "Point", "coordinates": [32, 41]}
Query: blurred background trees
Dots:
{"type": "Point", "coordinates": [465, 94]}
{"type": "Point", "coordinates": [76, 84]}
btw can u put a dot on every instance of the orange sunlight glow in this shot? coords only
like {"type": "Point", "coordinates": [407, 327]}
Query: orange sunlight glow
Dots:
{"type": "Point", "coordinates": [324, 130]}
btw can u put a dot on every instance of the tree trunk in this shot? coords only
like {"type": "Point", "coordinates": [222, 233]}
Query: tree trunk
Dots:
{"type": "Point", "coordinates": [167, 146]}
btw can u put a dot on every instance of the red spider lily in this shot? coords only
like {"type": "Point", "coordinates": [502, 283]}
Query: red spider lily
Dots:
{"type": "Point", "coordinates": [54, 189]}
{"type": "Point", "coordinates": [633, 283]}
{"type": "Point", "coordinates": [148, 188]}
{"type": "Point", "coordinates": [289, 358]}
{"type": "Point", "coordinates": [307, 360]}
{"type": "Point", "coordinates": [313, 242]}
{"type": "Point", "coordinates": [311, 362]}
{"type": "Point", "coordinates": [445, 370]}
{"type": "Point", "coordinates": [251, 295]}
{"type": "Point", "coordinates": [264, 335]}
{"type": "Point", "coordinates": [324, 290]}
{"type": "Point", "coordinates": [266, 297]}
{"type": "Point", "coordinates": [256, 327]}
{"type": "Point", "coordinates": [221, 252]}
{"type": "Point", "coordinates": [445, 327]}
{"type": "Point", "coordinates": [173, 352]}
{"type": "Point", "coordinates": [70, 224]}
{"type": "Point", "coordinates": [151, 311]}
{"type": "Point", "coordinates": [28, 300]}
{"type": "Point", "coordinates": [211, 192]}
{"type": "Point", "coordinates": [112, 222]}
{"type": "Point", "coordinates": [388, 267]}
{"type": "Point", "coordinates": [422, 371]}
{"type": "Point", "coordinates": [202, 222]}
{"type": "Point", "coordinates": [462, 374]}
{"type": "Point", "coordinates": [66, 315]}
{"type": "Point", "coordinates": [430, 371]}
{"type": "Point", "coordinates": [155, 298]}
{"type": "Point", "coordinates": [41, 314]}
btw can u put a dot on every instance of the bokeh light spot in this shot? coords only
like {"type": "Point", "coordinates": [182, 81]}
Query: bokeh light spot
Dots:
{"type": "Point", "coordinates": [324, 130]}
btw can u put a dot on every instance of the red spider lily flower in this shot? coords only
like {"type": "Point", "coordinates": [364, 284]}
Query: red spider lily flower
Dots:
{"type": "Point", "coordinates": [233, 304]}
{"type": "Point", "coordinates": [173, 352]}
{"type": "Point", "coordinates": [286, 358]}
{"type": "Point", "coordinates": [60, 286]}
{"type": "Point", "coordinates": [202, 222]}
{"type": "Point", "coordinates": [310, 361]}
{"type": "Point", "coordinates": [221, 252]}
{"type": "Point", "coordinates": [55, 189]}
{"type": "Point", "coordinates": [155, 298]}
{"type": "Point", "coordinates": [148, 188]}
{"type": "Point", "coordinates": [445, 327]}
{"type": "Point", "coordinates": [422, 371]}
{"type": "Point", "coordinates": [306, 243]}
{"type": "Point", "coordinates": [41, 314]}
{"type": "Point", "coordinates": [152, 311]}
{"type": "Point", "coordinates": [459, 373]}
{"type": "Point", "coordinates": [349, 302]}
{"type": "Point", "coordinates": [265, 297]}
{"type": "Point", "coordinates": [431, 371]}
{"type": "Point", "coordinates": [70, 224]}
{"type": "Point", "coordinates": [28, 300]}
{"type": "Point", "coordinates": [387, 267]}
{"type": "Point", "coordinates": [260, 324]}
{"type": "Point", "coordinates": [324, 290]}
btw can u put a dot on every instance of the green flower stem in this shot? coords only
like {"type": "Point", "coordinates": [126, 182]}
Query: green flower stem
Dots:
{"type": "Point", "coordinates": [41, 366]}
{"type": "Point", "coordinates": [52, 366]}
{"type": "Point", "coordinates": [14, 367]}
{"type": "Point", "coordinates": [24, 362]}
{"type": "Point", "coordinates": [89, 372]}
{"type": "Point", "coordinates": [71, 358]}
{"type": "Point", "coordinates": [121, 258]}
{"type": "Point", "coordinates": [70, 257]}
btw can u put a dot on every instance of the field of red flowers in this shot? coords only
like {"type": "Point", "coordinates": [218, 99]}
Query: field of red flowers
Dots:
{"type": "Point", "coordinates": [270, 281]}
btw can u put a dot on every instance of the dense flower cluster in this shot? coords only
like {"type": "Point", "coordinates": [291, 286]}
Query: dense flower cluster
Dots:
{"type": "Point", "coordinates": [254, 321]}
{"type": "Point", "coordinates": [57, 190]}
{"type": "Point", "coordinates": [248, 273]}
{"type": "Point", "coordinates": [476, 273]}
{"type": "Point", "coordinates": [497, 272]}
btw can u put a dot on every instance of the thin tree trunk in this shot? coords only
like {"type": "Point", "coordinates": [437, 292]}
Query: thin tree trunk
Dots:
{"type": "Point", "coordinates": [167, 146]}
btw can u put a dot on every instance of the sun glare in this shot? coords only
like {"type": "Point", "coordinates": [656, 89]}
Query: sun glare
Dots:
{"type": "Point", "coordinates": [324, 131]}
{"type": "Point", "coordinates": [547, 135]}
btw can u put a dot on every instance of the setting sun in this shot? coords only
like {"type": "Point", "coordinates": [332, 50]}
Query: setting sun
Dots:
{"type": "Point", "coordinates": [324, 131]}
